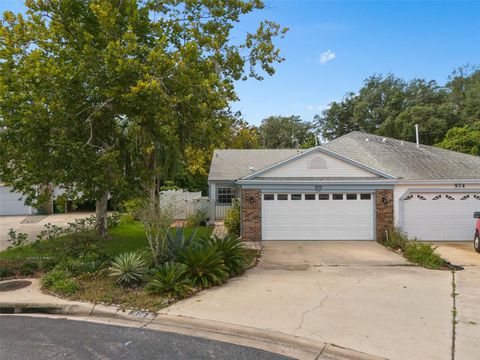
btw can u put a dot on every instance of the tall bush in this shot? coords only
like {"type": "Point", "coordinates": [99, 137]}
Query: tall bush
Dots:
{"type": "Point", "coordinates": [232, 219]}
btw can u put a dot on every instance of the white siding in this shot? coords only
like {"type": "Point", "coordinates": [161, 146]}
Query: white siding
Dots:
{"type": "Point", "coordinates": [334, 168]}
{"type": "Point", "coordinates": [12, 203]}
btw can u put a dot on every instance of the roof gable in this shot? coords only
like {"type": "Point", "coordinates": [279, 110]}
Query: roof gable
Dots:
{"type": "Point", "coordinates": [318, 163]}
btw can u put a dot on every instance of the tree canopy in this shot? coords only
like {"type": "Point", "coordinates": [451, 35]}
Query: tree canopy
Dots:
{"type": "Point", "coordinates": [279, 132]}
{"type": "Point", "coordinates": [391, 106]}
{"type": "Point", "coordinates": [108, 96]}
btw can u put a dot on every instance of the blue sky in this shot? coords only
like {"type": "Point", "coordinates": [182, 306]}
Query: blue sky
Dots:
{"type": "Point", "coordinates": [357, 39]}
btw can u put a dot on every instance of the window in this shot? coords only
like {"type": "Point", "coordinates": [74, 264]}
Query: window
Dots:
{"type": "Point", "coordinates": [465, 197]}
{"type": "Point", "coordinates": [296, 197]}
{"type": "Point", "coordinates": [476, 197]}
{"type": "Point", "coordinates": [351, 196]}
{"type": "Point", "coordinates": [323, 196]}
{"type": "Point", "coordinates": [436, 197]}
{"type": "Point", "coordinates": [420, 197]}
{"type": "Point", "coordinates": [282, 197]}
{"type": "Point", "coordinates": [309, 196]}
{"type": "Point", "coordinates": [365, 196]}
{"type": "Point", "coordinates": [225, 195]}
{"type": "Point", "coordinates": [408, 197]}
{"type": "Point", "coordinates": [337, 196]}
{"type": "Point", "coordinates": [449, 197]}
{"type": "Point", "coordinates": [268, 197]}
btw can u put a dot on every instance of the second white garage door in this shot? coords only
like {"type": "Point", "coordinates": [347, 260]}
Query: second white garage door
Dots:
{"type": "Point", "coordinates": [440, 216]}
{"type": "Point", "coordinates": [336, 216]}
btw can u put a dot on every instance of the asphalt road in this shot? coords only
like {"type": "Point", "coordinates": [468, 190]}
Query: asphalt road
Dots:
{"type": "Point", "coordinates": [25, 338]}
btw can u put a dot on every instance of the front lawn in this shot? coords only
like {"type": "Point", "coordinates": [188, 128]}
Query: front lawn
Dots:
{"type": "Point", "coordinates": [123, 238]}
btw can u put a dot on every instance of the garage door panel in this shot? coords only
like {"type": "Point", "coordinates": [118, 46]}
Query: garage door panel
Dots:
{"type": "Point", "coordinates": [317, 219]}
{"type": "Point", "coordinates": [447, 218]}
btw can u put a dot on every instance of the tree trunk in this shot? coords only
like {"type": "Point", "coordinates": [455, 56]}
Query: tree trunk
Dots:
{"type": "Point", "coordinates": [101, 215]}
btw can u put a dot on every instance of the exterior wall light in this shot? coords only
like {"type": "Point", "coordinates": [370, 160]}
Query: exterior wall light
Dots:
{"type": "Point", "coordinates": [252, 199]}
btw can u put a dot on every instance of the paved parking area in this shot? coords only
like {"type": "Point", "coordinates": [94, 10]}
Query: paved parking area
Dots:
{"type": "Point", "coordinates": [357, 295]}
{"type": "Point", "coordinates": [32, 225]}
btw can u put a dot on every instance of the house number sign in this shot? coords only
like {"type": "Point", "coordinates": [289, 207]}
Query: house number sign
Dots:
{"type": "Point", "coordinates": [459, 186]}
{"type": "Point", "coordinates": [318, 187]}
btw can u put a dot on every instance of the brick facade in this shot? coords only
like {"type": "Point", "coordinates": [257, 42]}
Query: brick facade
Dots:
{"type": "Point", "coordinates": [251, 215]}
{"type": "Point", "coordinates": [384, 212]}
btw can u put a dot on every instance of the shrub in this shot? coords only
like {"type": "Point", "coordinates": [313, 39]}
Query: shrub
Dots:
{"type": "Point", "coordinates": [5, 272]}
{"type": "Point", "coordinates": [128, 268]}
{"type": "Point", "coordinates": [232, 219]}
{"type": "Point", "coordinates": [170, 279]}
{"type": "Point", "coordinates": [17, 239]}
{"type": "Point", "coordinates": [233, 253]}
{"type": "Point", "coordinates": [29, 268]}
{"type": "Point", "coordinates": [424, 254]}
{"type": "Point", "coordinates": [205, 264]}
{"type": "Point", "coordinates": [396, 239]}
{"type": "Point", "coordinates": [60, 281]}
{"type": "Point", "coordinates": [198, 217]}
{"type": "Point", "coordinates": [175, 240]}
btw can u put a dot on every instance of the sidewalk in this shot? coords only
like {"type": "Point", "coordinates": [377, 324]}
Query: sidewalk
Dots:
{"type": "Point", "coordinates": [30, 300]}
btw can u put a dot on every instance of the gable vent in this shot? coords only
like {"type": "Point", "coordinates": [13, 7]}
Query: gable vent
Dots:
{"type": "Point", "coordinates": [317, 163]}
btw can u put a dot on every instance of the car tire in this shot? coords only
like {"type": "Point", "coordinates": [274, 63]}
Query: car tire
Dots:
{"type": "Point", "coordinates": [476, 242]}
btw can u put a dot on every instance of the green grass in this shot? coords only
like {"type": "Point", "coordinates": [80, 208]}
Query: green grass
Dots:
{"type": "Point", "coordinates": [123, 238]}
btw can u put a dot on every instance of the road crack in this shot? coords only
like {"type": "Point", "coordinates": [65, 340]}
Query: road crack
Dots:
{"type": "Point", "coordinates": [454, 313]}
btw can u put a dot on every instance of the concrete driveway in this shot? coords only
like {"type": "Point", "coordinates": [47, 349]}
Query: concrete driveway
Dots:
{"type": "Point", "coordinates": [357, 295]}
{"type": "Point", "coordinates": [33, 224]}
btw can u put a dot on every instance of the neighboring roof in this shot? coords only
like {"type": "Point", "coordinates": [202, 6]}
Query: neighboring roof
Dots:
{"type": "Point", "coordinates": [404, 160]}
{"type": "Point", "coordinates": [401, 159]}
{"type": "Point", "coordinates": [232, 164]}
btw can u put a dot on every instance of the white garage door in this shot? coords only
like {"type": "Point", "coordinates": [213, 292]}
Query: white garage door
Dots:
{"type": "Point", "coordinates": [336, 216]}
{"type": "Point", "coordinates": [10, 203]}
{"type": "Point", "coordinates": [431, 216]}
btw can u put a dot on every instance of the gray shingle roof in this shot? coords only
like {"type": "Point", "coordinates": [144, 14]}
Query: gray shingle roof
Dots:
{"type": "Point", "coordinates": [401, 159]}
{"type": "Point", "coordinates": [404, 160]}
{"type": "Point", "coordinates": [234, 164]}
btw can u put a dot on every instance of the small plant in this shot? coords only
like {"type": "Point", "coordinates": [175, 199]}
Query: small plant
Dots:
{"type": "Point", "coordinates": [113, 220]}
{"type": "Point", "coordinates": [17, 239]}
{"type": "Point", "coordinates": [29, 268]}
{"type": "Point", "coordinates": [424, 254]}
{"type": "Point", "coordinates": [233, 252]}
{"type": "Point", "coordinates": [176, 240]}
{"type": "Point", "coordinates": [232, 219]}
{"type": "Point", "coordinates": [170, 279]}
{"type": "Point", "coordinates": [128, 268]}
{"type": "Point", "coordinates": [205, 264]}
{"type": "Point", "coordinates": [198, 217]}
{"type": "Point", "coordinates": [396, 240]}
{"type": "Point", "coordinates": [5, 272]}
{"type": "Point", "coordinates": [60, 281]}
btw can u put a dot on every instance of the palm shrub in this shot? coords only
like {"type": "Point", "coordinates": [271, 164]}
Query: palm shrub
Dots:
{"type": "Point", "coordinates": [198, 217]}
{"type": "Point", "coordinates": [170, 279]}
{"type": "Point", "coordinates": [176, 239]}
{"type": "Point", "coordinates": [128, 268]}
{"type": "Point", "coordinates": [233, 253]}
{"type": "Point", "coordinates": [232, 219]}
{"type": "Point", "coordinates": [205, 264]}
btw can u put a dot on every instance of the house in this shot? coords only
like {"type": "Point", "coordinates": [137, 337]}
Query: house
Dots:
{"type": "Point", "coordinates": [13, 203]}
{"type": "Point", "coordinates": [352, 188]}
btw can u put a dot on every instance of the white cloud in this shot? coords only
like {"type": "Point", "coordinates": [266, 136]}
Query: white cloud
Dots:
{"type": "Point", "coordinates": [327, 56]}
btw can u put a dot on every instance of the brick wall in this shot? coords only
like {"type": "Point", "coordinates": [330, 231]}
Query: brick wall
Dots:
{"type": "Point", "coordinates": [251, 215]}
{"type": "Point", "coordinates": [384, 212]}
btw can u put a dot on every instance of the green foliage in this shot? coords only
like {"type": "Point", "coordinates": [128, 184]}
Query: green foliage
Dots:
{"type": "Point", "coordinates": [60, 281]}
{"type": "Point", "coordinates": [177, 239]}
{"type": "Point", "coordinates": [170, 279]}
{"type": "Point", "coordinates": [232, 219]}
{"type": "Point", "coordinates": [206, 267]}
{"type": "Point", "coordinates": [463, 139]}
{"type": "Point", "coordinates": [423, 254]}
{"type": "Point", "coordinates": [233, 252]}
{"type": "Point", "coordinates": [17, 239]}
{"type": "Point", "coordinates": [128, 268]}
{"type": "Point", "coordinates": [391, 106]}
{"type": "Point", "coordinates": [198, 217]}
{"type": "Point", "coordinates": [5, 272]}
{"type": "Point", "coordinates": [108, 89]}
{"type": "Point", "coordinates": [283, 132]}
{"type": "Point", "coordinates": [420, 253]}
{"type": "Point", "coordinates": [29, 268]}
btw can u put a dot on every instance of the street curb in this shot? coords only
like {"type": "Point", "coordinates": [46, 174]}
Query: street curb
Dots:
{"type": "Point", "coordinates": [276, 342]}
